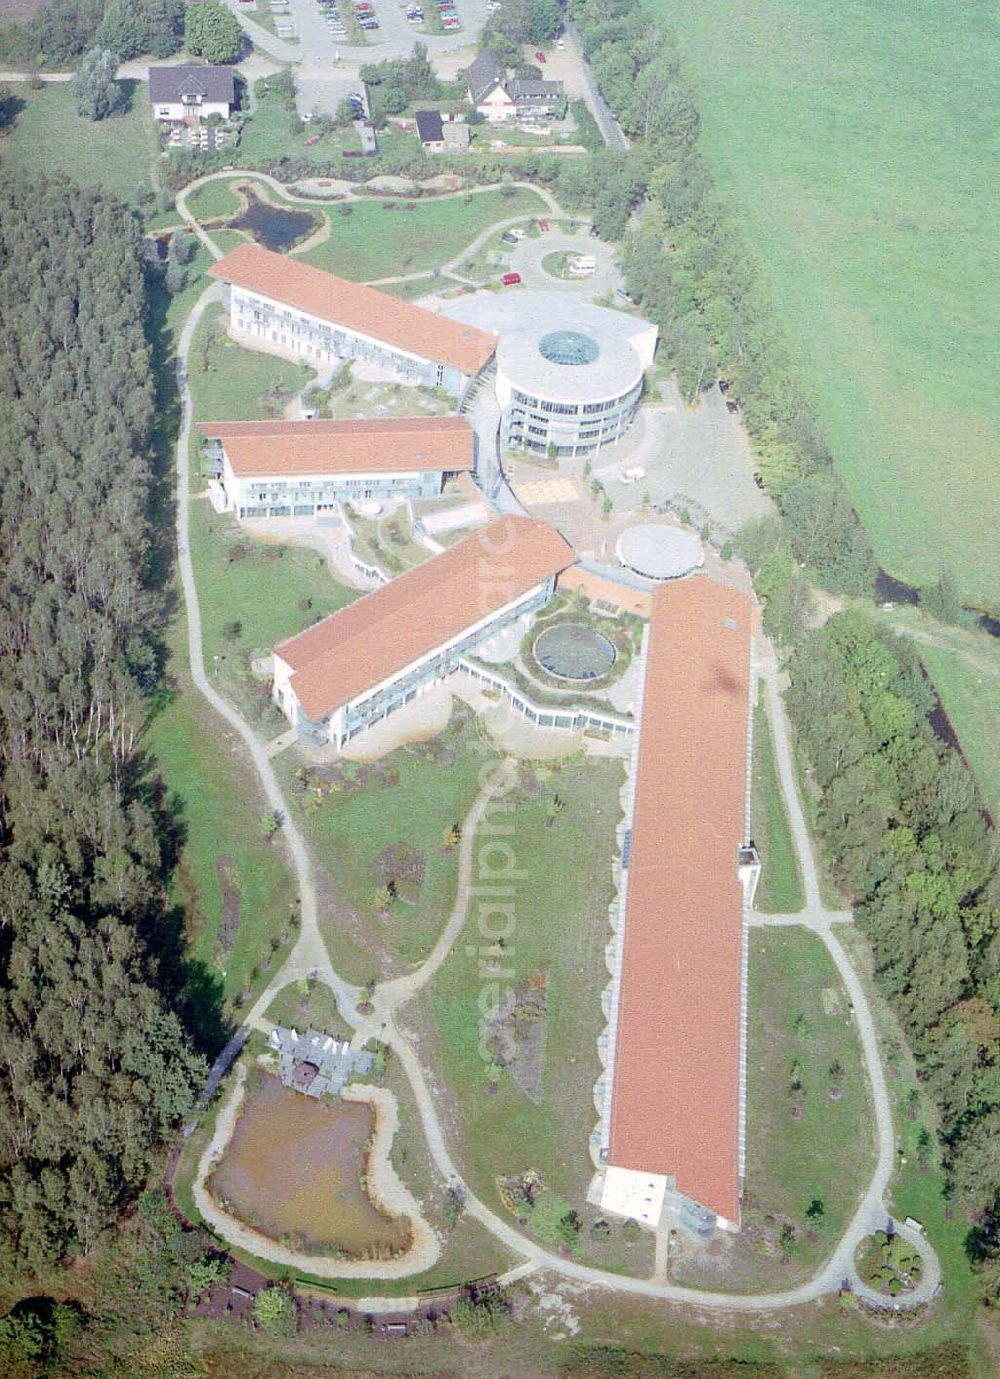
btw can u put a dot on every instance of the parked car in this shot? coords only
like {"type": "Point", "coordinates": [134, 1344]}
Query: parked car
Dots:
{"type": "Point", "coordinates": [510, 279]}
{"type": "Point", "coordinates": [543, 225]}
{"type": "Point", "coordinates": [539, 57]}
{"type": "Point", "coordinates": [508, 238]}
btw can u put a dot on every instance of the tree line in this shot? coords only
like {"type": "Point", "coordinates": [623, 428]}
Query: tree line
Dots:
{"type": "Point", "coordinates": [96, 1068]}
{"type": "Point", "coordinates": [904, 830]}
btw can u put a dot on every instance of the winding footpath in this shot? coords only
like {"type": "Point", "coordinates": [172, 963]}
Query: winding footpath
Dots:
{"type": "Point", "coordinates": [309, 958]}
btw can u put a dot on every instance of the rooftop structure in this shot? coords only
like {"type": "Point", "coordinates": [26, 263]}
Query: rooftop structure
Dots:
{"type": "Point", "coordinates": [386, 445]}
{"type": "Point", "coordinates": [315, 1063]}
{"type": "Point", "coordinates": [569, 374]}
{"type": "Point", "coordinates": [675, 1122]}
{"type": "Point", "coordinates": [197, 87]}
{"type": "Point", "coordinates": [303, 468]}
{"type": "Point", "coordinates": [365, 660]}
{"type": "Point", "coordinates": [658, 550]}
{"type": "Point", "coordinates": [302, 312]}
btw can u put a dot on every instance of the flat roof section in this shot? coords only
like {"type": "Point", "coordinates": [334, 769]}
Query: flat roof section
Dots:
{"type": "Point", "coordinates": [356, 307]}
{"type": "Point", "coordinates": [378, 636]}
{"type": "Point", "coordinates": [658, 550]}
{"type": "Point", "coordinates": [675, 1104]}
{"type": "Point", "coordinates": [387, 445]}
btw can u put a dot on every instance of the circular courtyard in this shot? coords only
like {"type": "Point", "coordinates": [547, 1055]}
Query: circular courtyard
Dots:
{"type": "Point", "coordinates": [658, 551]}
{"type": "Point", "coordinates": [575, 652]}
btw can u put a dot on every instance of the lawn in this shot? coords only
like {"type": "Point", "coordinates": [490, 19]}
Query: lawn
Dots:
{"type": "Point", "coordinates": [48, 136]}
{"type": "Point", "coordinates": [553, 917]}
{"type": "Point", "coordinates": [231, 383]}
{"type": "Point", "coordinates": [383, 238]}
{"type": "Point", "coordinates": [853, 138]}
{"type": "Point", "coordinates": [810, 1146]}
{"type": "Point", "coordinates": [412, 800]}
{"type": "Point", "coordinates": [213, 200]}
{"type": "Point", "coordinates": [780, 888]}
{"type": "Point", "coordinates": [800, 1029]}
{"type": "Point", "coordinates": [254, 594]}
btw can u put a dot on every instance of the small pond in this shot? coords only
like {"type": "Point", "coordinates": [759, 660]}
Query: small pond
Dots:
{"type": "Point", "coordinates": [273, 226]}
{"type": "Point", "coordinates": [573, 651]}
{"type": "Point", "coordinates": [292, 1169]}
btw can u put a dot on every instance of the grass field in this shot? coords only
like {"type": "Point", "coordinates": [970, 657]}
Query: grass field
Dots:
{"type": "Point", "coordinates": [804, 1145]}
{"type": "Point", "coordinates": [48, 136]}
{"type": "Point", "coordinates": [559, 903]}
{"type": "Point", "coordinates": [272, 591]}
{"type": "Point", "coordinates": [231, 383]}
{"type": "Point", "coordinates": [855, 141]}
{"type": "Point", "coordinates": [780, 888]}
{"type": "Point", "coordinates": [435, 786]}
{"type": "Point", "coordinates": [212, 200]}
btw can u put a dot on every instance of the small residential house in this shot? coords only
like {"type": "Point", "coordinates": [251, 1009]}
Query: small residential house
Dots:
{"type": "Point", "coordinates": [440, 135]}
{"type": "Point", "coordinates": [498, 98]}
{"type": "Point", "coordinates": [536, 98]}
{"type": "Point", "coordinates": [488, 91]}
{"type": "Point", "coordinates": [184, 97]}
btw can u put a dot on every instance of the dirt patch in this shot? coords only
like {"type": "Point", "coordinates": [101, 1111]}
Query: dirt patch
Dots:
{"type": "Point", "coordinates": [403, 865]}
{"type": "Point", "coordinates": [229, 882]}
{"type": "Point", "coordinates": [516, 1035]}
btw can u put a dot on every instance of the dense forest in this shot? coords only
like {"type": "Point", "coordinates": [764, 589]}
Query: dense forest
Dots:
{"type": "Point", "coordinates": [63, 30]}
{"type": "Point", "coordinates": [95, 1066]}
{"type": "Point", "coordinates": [905, 833]}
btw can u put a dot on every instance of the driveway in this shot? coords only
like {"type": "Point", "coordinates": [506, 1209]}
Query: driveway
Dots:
{"type": "Point", "coordinates": [527, 260]}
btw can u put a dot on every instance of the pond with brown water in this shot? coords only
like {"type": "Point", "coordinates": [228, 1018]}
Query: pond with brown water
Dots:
{"type": "Point", "coordinates": [292, 1171]}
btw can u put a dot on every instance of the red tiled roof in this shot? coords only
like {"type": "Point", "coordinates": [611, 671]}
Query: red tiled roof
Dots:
{"type": "Point", "coordinates": [356, 307]}
{"type": "Point", "coordinates": [387, 445]}
{"type": "Point", "coordinates": [375, 638]}
{"type": "Point", "coordinates": [675, 1094]}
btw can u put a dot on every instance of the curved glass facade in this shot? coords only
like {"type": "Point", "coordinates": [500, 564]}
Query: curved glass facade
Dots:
{"type": "Point", "coordinates": [536, 423]}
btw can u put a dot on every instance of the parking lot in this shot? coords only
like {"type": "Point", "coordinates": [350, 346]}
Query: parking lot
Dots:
{"type": "Point", "coordinates": [355, 31]}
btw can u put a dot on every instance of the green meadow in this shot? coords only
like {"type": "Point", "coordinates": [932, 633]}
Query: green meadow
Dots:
{"type": "Point", "coordinates": [856, 142]}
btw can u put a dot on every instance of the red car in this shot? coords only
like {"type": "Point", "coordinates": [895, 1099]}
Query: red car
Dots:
{"type": "Point", "coordinates": [511, 279]}
{"type": "Point", "coordinates": [539, 57]}
{"type": "Point", "coordinates": [543, 225]}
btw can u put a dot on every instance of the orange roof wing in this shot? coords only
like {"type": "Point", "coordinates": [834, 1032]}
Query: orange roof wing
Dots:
{"type": "Point", "coordinates": [676, 1080]}
{"type": "Point", "coordinates": [373, 639]}
{"type": "Point", "coordinates": [385, 445]}
{"type": "Point", "coordinates": [356, 307]}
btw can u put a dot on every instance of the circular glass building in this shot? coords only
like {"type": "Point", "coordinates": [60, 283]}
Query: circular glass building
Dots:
{"type": "Point", "coordinates": [569, 375]}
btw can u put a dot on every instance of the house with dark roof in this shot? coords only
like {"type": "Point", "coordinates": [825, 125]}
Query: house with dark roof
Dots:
{"type": "Point", "coordinates": [488, 93]}
{"type": "Point", "coordinates": [191, 91]}
{"type": "Point", "coordinates": [440, 135]}
{"type": "Point", "coordinates": [184, 99]}
{"type": "Point", "coordinates": [536, 97]}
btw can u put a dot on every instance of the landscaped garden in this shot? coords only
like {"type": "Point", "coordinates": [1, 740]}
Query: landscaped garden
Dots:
{"type": "Point", "coordinates": [386, 541]}
{"type": "Point", "coordinates": [514, 1013]}
{"type": "Point", "coordinates": [810, 1150]}
{"type": "Point", "coordinates": [889, 1264]}
{"type": "Point", "coordinates": [386, 836]}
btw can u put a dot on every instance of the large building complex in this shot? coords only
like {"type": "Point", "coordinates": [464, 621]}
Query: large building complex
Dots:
{"type": "Point", "coordinates": [672, 1128]}
{"type": "Point", "coordinates": [279, 304]}
{"type": "Point", "coordinates": [569, 375]}
{"type": "Point", "coordinates": [360, 664]}
{"type": "Point", "coordinates": [303, 468]}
